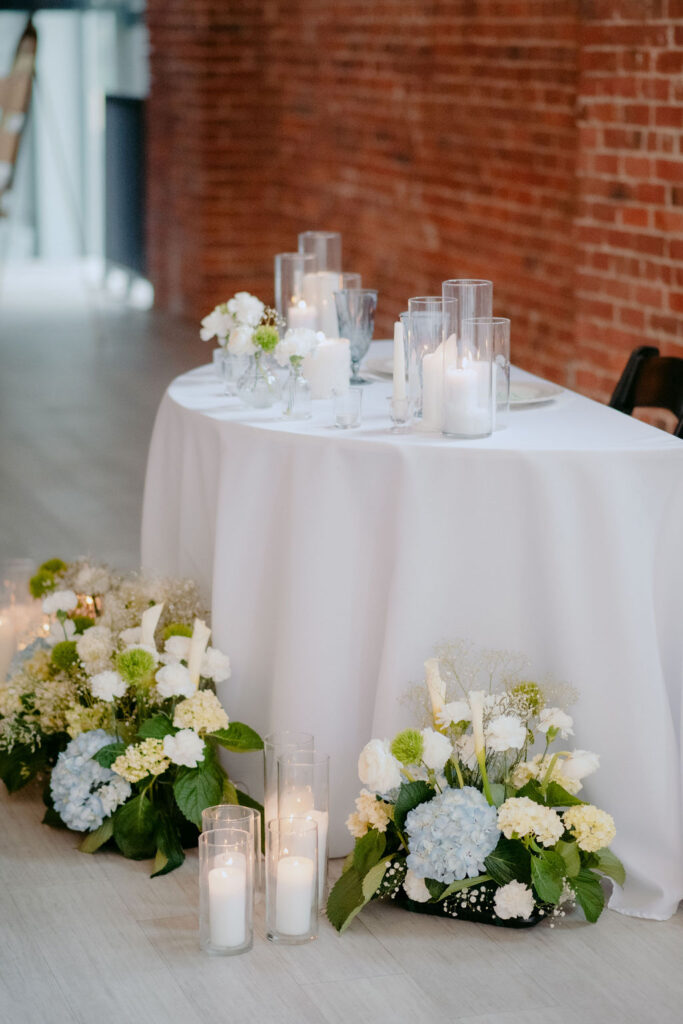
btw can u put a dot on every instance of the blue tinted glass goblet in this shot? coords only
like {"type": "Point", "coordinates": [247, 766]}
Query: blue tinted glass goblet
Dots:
{"type": "Point", "coordinates": [356, 314]}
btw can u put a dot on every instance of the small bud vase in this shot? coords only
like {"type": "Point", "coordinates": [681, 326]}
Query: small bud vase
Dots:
{"type": "Point", "coordinates": [296, 393]}
{"type": "Point", "coordinates": [258, 387]}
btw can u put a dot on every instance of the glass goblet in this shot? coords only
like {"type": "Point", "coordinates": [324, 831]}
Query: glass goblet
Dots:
{"type": "Point", "coordinates": [356, 314]}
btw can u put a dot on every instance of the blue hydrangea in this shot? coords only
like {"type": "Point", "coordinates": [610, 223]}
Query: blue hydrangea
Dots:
{"type": "Point", "coordinates": [83, 792]}
{"type": "Point", "coordinates": [21, 656]}
{"type": "Point", "coordinates": [450, 836]}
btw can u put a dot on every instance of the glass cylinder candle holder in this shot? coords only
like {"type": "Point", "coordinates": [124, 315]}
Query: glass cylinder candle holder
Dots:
{"type": "Point", "coordinates": [276, 745]}
{"type": "Point", "coordinates": [349, 279]}
{"type": "Point", "coordinates": [292, 880]}
{"type": "Point", "coordinates": [226, 891]}
{"type": "Point", "coordinates": [498, 329]}
{"type": "Point", "coordinates": [291, 303]}
{"type": "Point", "coordinates": [474, 297]}
{"type": "Point", "coordinates": [325, 246]}
{"type": "Point", "coordinates": [468, 397]}
{"type": "Point", "coordinates": [432, 327]}
{"type": "Point", "coordinates": [303, 792]}
{"type": "Point", "coordinates": [246, 818]}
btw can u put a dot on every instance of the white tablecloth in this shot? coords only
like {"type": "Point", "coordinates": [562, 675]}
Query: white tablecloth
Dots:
{"type": "Point", "coordinates": [337, 560]}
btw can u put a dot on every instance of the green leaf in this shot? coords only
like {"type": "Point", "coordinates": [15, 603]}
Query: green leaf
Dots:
{"type": "Point", "coordinates": [21, 764]}
{"type": "Point", "coordinates": [345, 900]}
{"type": "Point", "coordinates": [547, 874]}
{"type": "Point", "coordinates": [435, 888]}
{"type": "Point", "coordinates": [229, 795]}
{"type": "Point", "coordinates": [106, 756]}
{"type": "Point", "coordinates": [410, 795]}
{"type": "Point", "coordinates": [368, 850]}
{"type": "Point", "coordinates": [156, 728]}
{"type": "Point", "coordinates": [99, 837]}
{"type": "Point", "coordinates": [238, 738]}
{"type": "Point", "coordinates": [509, 861]}
{"type": "Point", "coordinates": [348, 862]}
{"type": "Point", "coordinates": [170, 854]}
{"type": "Point", "coordinates": [497, 793]}
{"type": "Point", "coordinates": [569, 852]}
{"type": "Point", "coordinates": [451, 775]}
{"type": "Point", "coordinates": [248, 801]}
{"type": "Point", "coordinates": [532, 789]}
{"type": "Point", "coordinates": [463, 883]}
{"type": "Point", "coordinates": [135, 828]}
{"type": "Point", "coordinates": [198, 788]}
{"type": "Point", "coordinates": [610, 865]}
{"type": "Point", "coordinates": [557, 796]}
{"type": "Point", "coordinates": [589, 893]}
{"type": "Point", "coordinates": [53, 818]}
{"type": "Point", "coordinates": [374, 878]}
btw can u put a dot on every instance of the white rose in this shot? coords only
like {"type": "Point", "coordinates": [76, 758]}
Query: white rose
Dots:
{"type": "Point", "coordinates": [174, 681]}
{"type": "Point", "coordinates": [186, 747]}
{"type": "Point", "coordinates": [506, 732]}
{"type": "Point", "coordinates": [215, 665]}
{"type": "Point", "coordinates": [299, 341]}
{"type": "Point", "coordinates": [415, 887]}
{"type": "Point", "coordinates": [246, 308]}
{"type": "Point", "coordinates": [130, 637]}
{"type": "Point", "coordinates": [107, 686]}
{"type": "Point", "coordinates": [241, 343]}
{"type": "Point", "coordinates": [556, 718]}
{"type": "Point", "coordinates": [60, 601]}
{"type": "Point", "coordinates": [179, 647]}
{"type": "Point", "coordinates": [580, 763]}
{"type": "Point", "coordinates": [513, 900]}
{"type": "Point", "coordinates": [378, 769]}
{"type": "Point", "coordinates": [465, 748]}
{"type": "Point", "coordinates": [437, 749]}
{"type": "Point", "coordinates": [454, 712]}
{"type": "Point", "coordinates": [216, 325]}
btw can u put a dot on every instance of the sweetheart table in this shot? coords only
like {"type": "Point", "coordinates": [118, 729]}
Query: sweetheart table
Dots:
{"type": "Point", "coordinates": [335, 561]}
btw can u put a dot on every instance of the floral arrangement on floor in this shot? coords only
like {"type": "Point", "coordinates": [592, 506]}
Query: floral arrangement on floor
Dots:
{"type": "Point", "coordinates": [462, 819]}
{"type": "Point", "coordinates": [116, 700]}
{"type": "Point", "coordinates": [243, 325]}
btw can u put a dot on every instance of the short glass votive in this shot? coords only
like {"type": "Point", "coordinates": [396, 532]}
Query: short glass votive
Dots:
{"type": "Point", "coordinates": [226, 891]}
{"type": "Point", "coordinates": [275, 745]}
{"type": "Point", "coordinates": [304, 792]}
{"type": "Point", "coordinates": [325, 246]}
{"type": "Point", "coordinates": [292, 880]}
{"type": "Point", "coordinates": [498, 328]}
{"type": "Point", "coordinates": [399, 411]}
{"type": "Point", "coordinates": [236, 816]}
{"type": "Point", "coordinates": [295, 307]}
{"type": "Point", "coordinates": [347, 408]}
{"type": "Point", "coordinates": [468, 397]}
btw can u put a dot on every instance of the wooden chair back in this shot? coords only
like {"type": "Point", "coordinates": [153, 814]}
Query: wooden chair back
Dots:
{"type": "Point", "coordinates": [651, 381]}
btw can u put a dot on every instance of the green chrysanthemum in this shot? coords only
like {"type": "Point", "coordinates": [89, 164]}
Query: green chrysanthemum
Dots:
{"type": "Point", "coordinates": [408, 747]}
{"type": "Point", "coordinates": [42, 583]}
{"type": "Point", "coordinates": [136, 667]}
{"type": "Point", "coordinates": [65, 655]}
{"type": "Point", "coordinates": [177, 629]}
{"type": "Point", "coordinates": [53, 565]}
{"type": "Point", "coordinates": [266, 338]}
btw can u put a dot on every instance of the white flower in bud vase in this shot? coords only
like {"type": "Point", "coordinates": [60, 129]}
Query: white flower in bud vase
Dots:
{"type": "Point", "coordinates": [454, 712]}
{"type": "Point", "coordinates": [215, 665]}
{"type": "Point", "coordinates": [378, 769]}
{"type": "Point", "coordinates": [435, 686]}
{"type": "Point", "coordinates": [415, 887]}
{"type": "Point", "coordinates": [241, 341]}
{"type": "Point", "coordinates": [556, 718]}
{"type": "Point", "coordinates": [298, 342]}
{"type": "Point", "coordinates": [246, 308]}
{"type": "Point", "coordinates": [507, 732]}
{"type": "Point", "coordinates": [178, 647]}
{"type": "Point", "coordinates": [174, 681]}
{"type": "Point", "coordinates": [437, 749]}
{"type": "Point", "coordinates": [216, 325]}
{"type": "Point", "coordinates": [186, 748]}
{"type": "Point", "coordinates": [580, 763]}
{"type": "Point", "coordinates": [513, 900]}
{"type": "Point", "coordinates": [107, 685]}
{"type": "Point", "coordinates": [60, 601]}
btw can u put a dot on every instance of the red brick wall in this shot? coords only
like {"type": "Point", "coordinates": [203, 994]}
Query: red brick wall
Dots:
{"type": "Point", "coordinates": [449, 138]}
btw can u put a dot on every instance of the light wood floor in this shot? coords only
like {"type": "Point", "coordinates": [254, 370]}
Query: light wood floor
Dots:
{"type": "Point", "coordinates": [91, 938]}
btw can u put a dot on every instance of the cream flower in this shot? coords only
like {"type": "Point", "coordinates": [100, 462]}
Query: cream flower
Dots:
{"type": "Point", "coordinates": [513, 900]}
{"type": "Point", "coordinates": [95, 648]}
{"type": "Point", "coordinates": [246, 308]}
{"type": "Point", "coordinates": [179, 647]}
{"type": "Point", "coordinates": [202, 712]}
{"type": "Point", "coordinates": [140, 760]}
{"type": "Point", "coordinates": [216, 324]}
{"type": "Point", "coordinates": [241, 341]}
{"type": "Point", "coordinates": [506, 732]}
{"type": "Point", "coordinates": [415, 887]}
{"type": "Point", "coordinates": [107, 685]}
{"type": "Point", "coordinates": [519, 816]}
{"type": "Point", "coordinates": [185, 747]}
{"type": "Point", "coordinates": [370, 813]}
{"type": "Point", "coordinates": [215, 665]}
{"type": "Point", "coordinates": [556, 718]}
{"type": "Point", "coordinates": [538, 767]}
{"type": "Point", "coordinates": [437, 749]}
{"type": "Point", "coordinates": [60, 601]}
{"type": "Point", "coordinates": [378, 769]}
{"type": "Point", "coordinates": [454, 712]}
{"type": "Point", "coordinates": [580, 763]}
{"type": "Point", "coordinates": [594, 829]}
{"type": "Point", "coordinates": [174, 681]}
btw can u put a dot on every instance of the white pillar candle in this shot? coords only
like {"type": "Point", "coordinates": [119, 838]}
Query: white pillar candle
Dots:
{"type": "Point", "coordinates": [228, 902]}
{"type": "Point", "coordinates": [7, 645]}
{"type": "Point", "coordinates": [302, 315]}
{"type": "Point", "coordinates": [399, 363]}
{"type": "Point", "coordinates": [432, 390]}
{"type": "Point", "coordinates": [318, 290]}
{"type": "Point", "coordinates": [296, 802]}
{"type": "Point", "coordinates": [200, 638]}
{"type": "Point", "coordinates": [328, 367]}
{"type": "Point", "coordinates": [150, 621]}
{"type": "Point", "coordinates": [295, 889]}
{"type": "Point", "coordinates": [464, 413]}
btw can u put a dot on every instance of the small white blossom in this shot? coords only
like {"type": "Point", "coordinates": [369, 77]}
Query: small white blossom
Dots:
{"type": "Point", "coordinates": [556, 718]}
{"type": "Point", "coordinates": [107, 686]}
{"type": "Point", "coordinates": [241, 341]}
{"type": "Point", "coordinates": [298, 342]}
{"type": "Point", "coordinates": [215, 665]}
{"type": "Point", "coordinates": [174, 681]}
{"type": "Point", "coordinates": [513, 900]}
{"type": "Point", "coordinates": [94, 648]}
{"type": "Point", "coordinates": [378, 769]}
{"type": "Point", "coordinates": [415, 887]}
{"type": "Point", "coordinates": [185, 747]}
{"type": "Point", "coordinates": [246, 308]}
{"type": "Point", "coordinates": [580, 763]}
{"type": "Point", "coordinates": [216, 325]}
{"type": "Point", "coordinates": [437, 749]}
{"type": "Point", "coordinates": [454, 712]}
{"type": "Point", "coordinates": [507, 732]}
{"type": "Point", "coordinates": [60, 601]}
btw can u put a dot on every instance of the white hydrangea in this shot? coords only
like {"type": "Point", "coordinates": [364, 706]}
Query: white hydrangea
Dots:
{"type": "Point", "coordinates": [519, 816]}
{"type": "Point", "coordinates": [454, 712]}
{"type": "Point", "coordinates": [556, 718]}
{"type": "Point", "coordinates": [185, 747]}
{"type": "Point", "coordinates": [298, 342]}
{"type": "Point", "coordinates": [513, 900]}
{"type": "Point", "coordinates": [506, 732]}
{"type": "Point", "coordinates": [437, 749]}
{"type": "Point", "coordinates": [415, 887]}
{"type": "Point", "coordinates": [246, 308]}
{"type": "Point", "coordinates": [215, 665]}
{"type": "Point", "coordinates": [107, 685]}
{"type": "Point", "coordinates": [216, 324]}
{"type": "Point", "coordinates": [95, 648]}
{"type": "Point", "coordinates": [378, 769]}
{"type": "Point", "coordinates": [174, 681]}
{"type": "Point", "coordinates": [202, 712]}
{"type": "Point", "coordinates": [60, 601]}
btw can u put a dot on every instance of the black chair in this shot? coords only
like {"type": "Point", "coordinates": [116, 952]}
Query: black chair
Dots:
{"type": "Point", "coordinates": [652, 381]}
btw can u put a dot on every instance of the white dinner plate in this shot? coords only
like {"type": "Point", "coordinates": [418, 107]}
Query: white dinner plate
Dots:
{"type": "Point", "coordinates": [533, 392]}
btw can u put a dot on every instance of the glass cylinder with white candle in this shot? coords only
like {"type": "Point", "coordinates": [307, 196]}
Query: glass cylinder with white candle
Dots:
{"type": "Point", "coordinates": [498, 327]}
{"type": "Point", "coordinates": [325, 246]}
{"type": "Point", "coordinates": [237, 816]}
{"type": "Point", "coordinates": [275, 745]}
{"type": "Point", "coordinates": [432, 324]}
{"type": "Point", "coordinates": [295, 308]}
{"type": "Point", "coordinates": [468, 395]}
{"type": "Point", "coordinates": [292, 880]}
{"type": "Point", "coordinates": [303, 792]}
{"type": "Point", "coordinates": [474, 297]}
{"type": "Point", "coordinates": [226, 891]}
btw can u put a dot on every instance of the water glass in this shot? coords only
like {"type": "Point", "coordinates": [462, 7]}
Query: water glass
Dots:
{"type": "Point", "coordinates": [226, 891]}
{"type": "Point", "coordinates": [292, 880]}
{"type": "Point", "coordinates": [356, 315]}
{"type": "Point", "coordinates": [347, 408]}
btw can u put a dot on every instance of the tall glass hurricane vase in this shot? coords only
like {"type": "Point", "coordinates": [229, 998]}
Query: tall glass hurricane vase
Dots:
{"type": "Point", "coordinates": [356, 309]}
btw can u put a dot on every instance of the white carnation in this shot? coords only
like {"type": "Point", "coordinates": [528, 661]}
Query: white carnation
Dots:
{"type": "Point", "coordinates": [241, 341]}
{"type": "Point", "coordinates": [297, 342]}
{"type": "Point", "coordinates": [556, 718]}
{"type": "Point", "coordinates": [179, 647]}
{"type": "Point", "coordinates": [437, 749]}
{"type": "Point", "coordinates": [186, 748]}
{"type": "Point", "coordinates": [507, 732]}
{"type": "Point", "coordinates": [246, 308]}
{"type": "Point", "coordinates": [378, 769]}
{"type": "Point", "coordinates": [513, 900]}
{"type": "Point", "coordinates": [107, 686]}
{"type": "Point", "coordinates": [215, 665]}
{"type": "Point", "coordinates": [454, 712]}
{"type": "Point", "coordinates": [415, 887]}
{"type": "Point", "coordinates": [60, 601]}
{"type": "Point", "coordinates": [174, 681]}
{"type": "Point", "coordinates": [95, 648]}
{"type": "Point", "coordinates": [580, 763]}
{"type": "Point", "coordinates": [216, 325]}
{"type": "Point", "coordinates": [130, 637]}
